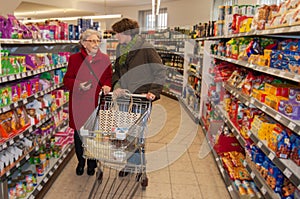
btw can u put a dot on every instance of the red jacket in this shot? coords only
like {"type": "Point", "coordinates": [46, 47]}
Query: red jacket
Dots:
{"type": "Point", "coordinates": [83, 103]}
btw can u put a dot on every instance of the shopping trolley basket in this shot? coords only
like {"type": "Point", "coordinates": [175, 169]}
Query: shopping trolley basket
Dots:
{"type": "Point", "coordinates": [115, 136]}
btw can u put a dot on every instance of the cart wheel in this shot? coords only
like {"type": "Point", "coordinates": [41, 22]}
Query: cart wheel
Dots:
{"type": "Point", "coordinates": [100, 176]}
{"type": "Point", "coordinates": [138, 177]}
{"type": "Point", "coordinates": [144, 183]}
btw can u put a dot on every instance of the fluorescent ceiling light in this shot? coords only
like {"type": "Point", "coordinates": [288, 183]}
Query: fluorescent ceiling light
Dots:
{"type": "Point", "coordinates": [112, 16]}
{"type": "Point", "coordinates": [32, 13]}
{"type": "Point", "coordinates": [153, 7]}
{"type": "Point", "coordinates": [157, 7]}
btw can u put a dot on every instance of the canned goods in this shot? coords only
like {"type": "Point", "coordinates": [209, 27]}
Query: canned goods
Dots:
{"type": "Point", "coordinates": [221, 13]}
{"type": "Point", "coordinates": [250, 11]}
{"type": "Point", "coordinates": [228, 10]}
{"type": "Point", "coordinates": [235, 9]}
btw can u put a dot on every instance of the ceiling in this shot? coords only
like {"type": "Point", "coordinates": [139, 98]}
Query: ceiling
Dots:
{"type": "Point", "coordinates": [66, 8]}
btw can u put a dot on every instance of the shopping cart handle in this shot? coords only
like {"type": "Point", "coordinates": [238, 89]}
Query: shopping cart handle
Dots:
{"type": "Point", "coordinates": [132, 95]}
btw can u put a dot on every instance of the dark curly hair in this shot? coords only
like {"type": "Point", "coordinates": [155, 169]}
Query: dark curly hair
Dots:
{"type": "Point", "coordinates": [126, 26]}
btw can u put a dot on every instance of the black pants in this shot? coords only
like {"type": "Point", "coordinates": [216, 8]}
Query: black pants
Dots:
{"type": "Point", "coordinates": [79, 152]}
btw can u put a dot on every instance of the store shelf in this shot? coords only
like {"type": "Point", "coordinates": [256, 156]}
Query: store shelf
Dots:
{"type": "Point", "coordinates": [228, 183]}
{"type": "Point", "coordinates": [290, 30]}
{"type": "Point", "coordinates": [29, 99]}
{"type": "Point", "coordinates": [174, 68]}
{"type": "Point", "coordinates": [32, 41]}
{"type": "Point", "coordinates": [30, 129]}
{"type": "Point", "coordinates": [267, 192]}
{"type": "Point", "coordinates": [234, 130]}
{"type": "Point", "coordinates": [54, 165]}
{"type": "Point", "coordinates": [287, 166]}
{"type": "Point", "coordinates": [194, 115]}
{"type": "Point", "coordinates": [264, 69]}
{"type": "Point", "coordinates": [175, 81]}
{"type": "Point", "coordinates": [194, 74]}
{"type": "Point", "coordinates": [8, 78]}
{"type": "Point", "coordinates": [291, 124]}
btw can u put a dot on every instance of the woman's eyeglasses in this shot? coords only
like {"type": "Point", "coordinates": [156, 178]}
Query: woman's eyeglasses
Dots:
{"type": "Point", "coordinates": [93, 41]}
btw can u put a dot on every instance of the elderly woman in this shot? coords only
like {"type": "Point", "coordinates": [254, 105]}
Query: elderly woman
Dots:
{"type": "Point", "coordinates": [88, 72]}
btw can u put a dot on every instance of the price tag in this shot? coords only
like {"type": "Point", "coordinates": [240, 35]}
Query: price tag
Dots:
{"type": "Point", "coordinates": [231, 91]}
{"type": "Point", "coordinates": [217, 159]}
{"type": "Point", "coordinates": [271, 156]}
{"type": "Point", "coordinates": [45, 180]}
{"type": "Point", "coordinates": [16, 104]}
{"type": "Point", "coordinates": [34, 72]}
{"type": "Point", "coordinates": [4, 145]}
{"type": "Point", "coordinates": [60, 161]}
{"type": "Point", "coordinates": [51, 173]}
{"type": "Point", "coordinates": [252, 100]}
{"type": "Point", "coordinates": [287, 173]}
{"type": "Point", "coordinates": [37, 148]}
{"type": "Point", "coordinates": [11, 142]}
{"type": "Point", "coordinates": [226, 121]}
{"type": "Point", "coordinates": [11, 78]}
{"type": "Point", "coordinates": [27, 157]}
{"type": "Point", "coordinates": [263, 190]}
{"type": "Point", "coordinates": [69, 149]}
{"type": "Point", "coordinates": [278, 117]}
{"type": "Point", "coordinates": [21, 136]}
{"type": "Point", "coordinates": [18, 76]}
{"type": "Point", "coordinates": [244, 163]}
{"type": "Point", "coordinates": [4, 79]}
{"type": "Point", "coordinates": [259, 144]}
{"type": "Point", "coordinates": [247, 103]}
{"type": "Point", "coordinates": [263, 108]}
{"type": "Point", "coordinates": [55, 166]}
{"type": "Point", "coordinates": [230, 189]}
{"type": "Point", "coordinates": [8, 173]}
{"type": "Point", "coordinates": [222, 170]}
{"type": "Point", "coordinates": [39, 188]}
{"type": "Point", "coordinates": [237, 96]}
{"type": "Point", "coordinates": [25, 101]}
{"type": "Point", "coordinates": [64, 155]}
{"type": "Point", "coordinates": [292, 126]}
{"type": "Point", "coordinates": [6, 108]}
{"type": "Point", "coordinates": [249, 133]}
{"type": "Point", "coordinates": [31, 197]}
{"type": "Point", "coordinates": [30, 129]}
{"type": "Point", "coordinates": [252, 175]}
{"type": "Point", "coordinates": [238, 137]}
{"type": "Point", "coordinates": [18, 164]}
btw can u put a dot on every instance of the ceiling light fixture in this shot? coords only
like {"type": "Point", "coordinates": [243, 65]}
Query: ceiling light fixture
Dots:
{"type": "Point", "coordinates": [157, 6]}
{"type": "Point", "coordinates": [112, 16]}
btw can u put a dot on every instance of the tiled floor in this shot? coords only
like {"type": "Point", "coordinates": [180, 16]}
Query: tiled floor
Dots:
{"type": "Point", "coordinates": [174, 167]}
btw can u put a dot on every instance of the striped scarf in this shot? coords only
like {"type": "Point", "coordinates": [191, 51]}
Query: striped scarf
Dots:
{"type": "Point", "coordinates": [124, 50]}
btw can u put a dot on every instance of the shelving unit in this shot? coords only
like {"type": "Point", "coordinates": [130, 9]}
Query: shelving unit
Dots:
{"type": "Point", "coordinates": [288, 167]}
{"type": "Point", "coordinates": [27, 46]}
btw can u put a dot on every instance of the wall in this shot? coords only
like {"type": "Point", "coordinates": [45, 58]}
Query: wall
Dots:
{"type": "Point", "coordinates": [180, 13]}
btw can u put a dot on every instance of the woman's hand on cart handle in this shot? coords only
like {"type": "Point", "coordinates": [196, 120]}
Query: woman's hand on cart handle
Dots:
{"type": "Point", "coordinates": [106, 89]}
{"type": "Point", "coordinates": [150, 96]}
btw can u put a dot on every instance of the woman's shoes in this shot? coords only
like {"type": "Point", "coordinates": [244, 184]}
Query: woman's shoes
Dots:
{"type": "Point", "coordinates": [90, 171]}
{"type": "Point", "coordinates": [79, 170]}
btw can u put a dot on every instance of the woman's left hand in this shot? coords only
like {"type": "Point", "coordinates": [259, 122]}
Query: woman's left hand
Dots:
{"type": "Point", "coordinates": [106, 89]}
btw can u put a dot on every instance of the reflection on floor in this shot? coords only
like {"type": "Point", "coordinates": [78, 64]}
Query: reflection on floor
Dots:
{"type": "Point", "coordinates": [174, 167]}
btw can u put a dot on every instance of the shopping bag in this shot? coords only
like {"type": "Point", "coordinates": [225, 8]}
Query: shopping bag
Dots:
{"type": "Point", "coordinates": [116, 117]}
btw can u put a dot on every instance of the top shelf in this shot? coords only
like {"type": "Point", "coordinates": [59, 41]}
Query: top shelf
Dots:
{"type": "Point", "coordinates": [289, 30]}
{"type": "Point", "coordinates": [31, 41]}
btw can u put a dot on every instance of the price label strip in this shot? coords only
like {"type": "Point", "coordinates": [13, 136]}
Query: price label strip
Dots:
{"type": "Point", "coordinates": [291, 126]}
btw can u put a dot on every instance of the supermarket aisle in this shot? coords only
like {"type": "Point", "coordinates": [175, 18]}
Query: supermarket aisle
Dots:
{"type": "Point", "coordinates": [188, 177]}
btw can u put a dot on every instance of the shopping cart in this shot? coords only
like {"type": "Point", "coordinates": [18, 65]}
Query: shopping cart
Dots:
{"type": "Point", "coordinates": [114, 135]}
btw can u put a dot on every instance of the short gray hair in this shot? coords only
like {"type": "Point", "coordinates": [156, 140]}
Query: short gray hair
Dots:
{"type": "Point", "coordinates": [88, 33]}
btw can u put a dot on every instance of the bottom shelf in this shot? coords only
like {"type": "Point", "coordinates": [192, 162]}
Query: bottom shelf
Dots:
{"type": "Point", "coordinates": [56, 166]}
{"type": "Point", "coordinates": [194, 115]}
{"type": "Point", "coordinates": [228, 183]}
